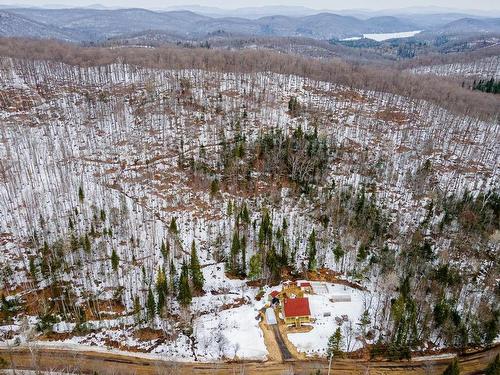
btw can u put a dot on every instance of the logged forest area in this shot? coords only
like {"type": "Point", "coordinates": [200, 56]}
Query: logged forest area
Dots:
{"type": "Point", "coordinates": [160, 200]}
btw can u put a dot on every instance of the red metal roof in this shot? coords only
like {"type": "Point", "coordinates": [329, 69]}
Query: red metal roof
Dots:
{"type": "Point", "coordinates": [305, 284]}
{"type": "Point", "coordinates": [296, 307]}
{"type": "Point", "coordinates": [274, 293]}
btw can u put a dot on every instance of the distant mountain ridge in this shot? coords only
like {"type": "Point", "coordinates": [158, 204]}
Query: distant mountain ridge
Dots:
{"type": "Point", "coordinates": [14, 25]}
{"type": "Point", "coordinates": [489, 25]}
{"type": "Point", "coordinates": [85, 24]}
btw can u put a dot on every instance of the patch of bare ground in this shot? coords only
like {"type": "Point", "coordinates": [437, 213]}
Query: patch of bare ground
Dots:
{"type": "Point", "coordinates": [103, 310]}
{"type": "Point", "coordinates": [237, 303]}
{"type": "Point", "coordinates": [119, 345]}
{"type": "Point", "coordinates": [5, 238]}
{"type": "Point", "coordinates": [231, 93]}
{"type": "Point", "coordinates": [33, 298]}
{"type": "Point", "coordinates": [16, 100]}
{"type": "Point", "coordinates": [111, 363]}
{"type": "Point", "coordinates": [149, 334]}
{"type": "Point", "coordinates": [301, 329]}
{"type": "Point", "coordinates": [402, 149]}
{"type": "Point", "coordinates": [274, 353]}
{"type": "Point", "coordinates": [392, 115]}
{"type": "Point", "coordinates": [327, 275]}
{"type": "Point", "coordinates": [292, 349]}
{"type": "Point", "coordinates": [55, 336]}
{"type": "Point", "coordinates": [340, 94]}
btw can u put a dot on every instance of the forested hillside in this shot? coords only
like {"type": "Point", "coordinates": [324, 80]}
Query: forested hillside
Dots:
{"type": "Point", "coordinates": [147, 202]}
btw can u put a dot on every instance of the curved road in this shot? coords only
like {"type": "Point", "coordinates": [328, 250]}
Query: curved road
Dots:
{"type": "Point", "coordinates": [104, 363]}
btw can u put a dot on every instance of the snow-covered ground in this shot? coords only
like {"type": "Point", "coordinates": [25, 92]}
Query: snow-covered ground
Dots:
{"type": "Point", "coordinates": [321, 305]}
{"type": "Point", "coordinates": [124, 150]}
{"type": "Point", "coordinates": [484, 68]}
{"type": "Point", "coordinates": [229, 324]}
{"type": "Point", "coordinates": [230, 334]}
{"type": "Point", "coordinates": [380, 37]}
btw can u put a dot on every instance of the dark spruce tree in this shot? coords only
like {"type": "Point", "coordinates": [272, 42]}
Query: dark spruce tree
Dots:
{"type": "Point", "coordinates": [184, 296]}
{"type": "Point", "coordinates": [311, 251]}
{"type": "Point", "coordinates": [161, 289]}
{"type": "Point", "coordinates": [452, 369]}
{"type": "Point", "coordinates": [196, 273]}
{"type": "Point", "coordinates": [151, 305]}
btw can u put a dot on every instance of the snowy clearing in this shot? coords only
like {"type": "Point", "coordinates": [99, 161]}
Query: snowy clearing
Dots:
{"type": "Point", "coordinates": [232, 334]}
{"type": "Point", "coordinates": [315, 342]}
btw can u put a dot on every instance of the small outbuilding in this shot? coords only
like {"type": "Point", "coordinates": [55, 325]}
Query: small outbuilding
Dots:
{"type": "Point", "coordinates": [306, 287]}
{"type": "Point", "coordinates": [274, 297]}
{"type": "Point", "coordinates": [273, 294]}
{"type": "Point", "coordinates": [271, 316]}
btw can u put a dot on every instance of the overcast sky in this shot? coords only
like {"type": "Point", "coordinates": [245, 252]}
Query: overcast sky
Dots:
{"type": "Point", "coordinates": [316, 4]}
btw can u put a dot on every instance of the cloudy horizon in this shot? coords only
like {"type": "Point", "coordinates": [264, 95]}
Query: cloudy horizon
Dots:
{"type": "Point", "coordinates": [480, 5]}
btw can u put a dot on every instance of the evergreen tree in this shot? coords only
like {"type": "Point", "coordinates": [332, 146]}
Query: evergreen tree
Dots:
{"type": "Point", "coordinates": [273, 262]}
{"type": "Point", "coordinates": [173, 226]}
{"type": "Point", "coordinates": [214, 187]}
{"type": "Point", "coordinates": [404, 315]}
{"type": "Point", "coordinates": [255, 271]}
{"type": "Point", "coordinates": [115, 260]}
{"type": "Point", "coordinates": [151, 305]}
{"type": "Point", "coordinates": [196, 273]}
{"type": "Point", "coordinates": [103, 215]}
{"type": "Point", "coordinates": [81, 195]}
{"type": "Point", "coordinates": [293, 106]}
{"type": "Point", "coordinates": [489, 86]}
{"type": "Point", "coordinates": [243, 266]}
{"type": "Point", "coordinates": [362, 253]}
{"type": "Point", "coordinates": [245, 215]}
{"type": "Point", "coordinates": [265, 230]}
{"type": "Point", "coordinates": [32, 266]}
{"type": "Point", "coordinates": [335, 343]}
{"type": "Point", "coordinates": [165, 251]}
{"type": "Point", "coordinates": [491, 326]}
{"type": "Point", "coordinates": [184, 296]}
{"type": "Point", "coordinates": [452, 369]}
{"type": "Point", "coordinates": [173, 273]}
{"type": "Point", "coordinates": [312, 263]}
{"type": "Point", "coordinates": [364, 322]}
{"type": "Point", "coordinates": [161, 288]}
{"type": "Point", "coordinates": [235, 250]}
{"type": "Point", "coordinates": [86, 244]}
{"type": "Point", "coordinates": [338, 252]}
{"type": "Point", "coordinates": [137, 308]}
{"type": "Point", "coordinates": [74, 243]}
{"type": "Point", "coordinates": [494, 367]}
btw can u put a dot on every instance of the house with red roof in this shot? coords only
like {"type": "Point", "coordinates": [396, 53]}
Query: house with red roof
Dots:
{"type": "Point", "coordinates": [296, 311]}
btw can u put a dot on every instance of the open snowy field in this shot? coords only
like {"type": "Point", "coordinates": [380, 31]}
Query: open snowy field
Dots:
{"type": "Point", "coordinates": [230, 334]}
{"type": "Point", "coordinates": [324, 309]}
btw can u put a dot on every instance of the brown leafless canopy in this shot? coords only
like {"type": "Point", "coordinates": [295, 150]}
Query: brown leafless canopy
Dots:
{"type": "Point", "coordinates": [441, 91]}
